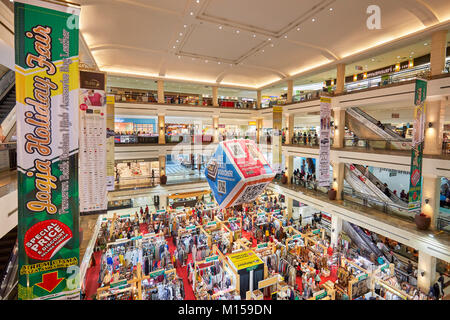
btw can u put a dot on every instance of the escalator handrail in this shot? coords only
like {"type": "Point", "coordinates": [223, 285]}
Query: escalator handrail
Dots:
{"type": "Point", "coordinates": [9, 274]}
{"type": "Point", "coordinates": [6, 83]}
{"type": "Point", "coordinates": [374, 180]}
{"type": "Point", "coordinates": [351, 174]}
{"type": "Point", "coordinates": [389, 131]}
{"type": "Point", "coordinates": [363, 196]}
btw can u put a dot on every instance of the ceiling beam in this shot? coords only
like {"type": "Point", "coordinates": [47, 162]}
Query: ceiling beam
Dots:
{"type": "Point", "coordinates": [203, 16]}
{"type": "Point", "coordinates": [229, 71]}
{"type": "Point", "coordinates": [111, 46]}
{"type": "Point", "coordinates": [137, 4]}
{"type": "Point", "coordinates": [422, 11]}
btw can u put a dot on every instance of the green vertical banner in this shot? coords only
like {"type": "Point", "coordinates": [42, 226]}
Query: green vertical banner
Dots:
{"type": "Point", "coordinates": [415, 181]}
{"type": "Point", "coordinates": [47, 93]}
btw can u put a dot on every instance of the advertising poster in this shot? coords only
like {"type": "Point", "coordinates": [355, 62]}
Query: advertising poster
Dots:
{"type": "Point", "coordinates": [110, 101]}
{"type": "Point", "coordinates": [324, 151]}
{"type": "Point", "coordinates": [415, 181]}
{"type": "Point", "coordinates": [93, 193]}
{"type": "Point", "coordinates": [237, 172]}
{"type": "Point", "coordinates": [277, 139]}
{"type": "Point", "coordinates": [47, 92]}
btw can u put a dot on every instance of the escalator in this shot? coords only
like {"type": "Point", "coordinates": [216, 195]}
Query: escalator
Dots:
{"type": "Point", "coordinates": [362, 240]}
{"type": "Point", "coordinates": [359, 182]}
{"type": "Point", "coordinates": [8, 265]}
{"type": "Point", "coordinates": [365, 126]}
{"type": "Point", "coordinates": [372, 179]}
{"type": "Point", "coordinates": [8, 105]}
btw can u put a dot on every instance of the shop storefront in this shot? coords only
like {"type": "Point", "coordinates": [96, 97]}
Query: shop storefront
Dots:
{"type": "Point", "coordinates": [136, 171]}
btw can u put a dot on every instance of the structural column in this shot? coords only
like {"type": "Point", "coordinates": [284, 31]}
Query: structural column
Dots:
{"type": "Point", "coordinates": [290, 128]}
{"type": "Point", "coordinates": [339, 128]}
{"type": "Point", "coordinates": [215, 96]}
{"type": "Point", "coordinates": [161, 91]}
{"type": "Point", "coordinates": [438, 52]}
{"type": "Point", "coordinates": [434, 126]}
{"type": "Point", "coordinates": [161, 129]}
{"type": "Point", "coordinates": [289, 166]}
{"type": "Point", "coordinates": [431, 187]}
{"type": "Point", "coordinates": [340, 79]}
{"type": "Point", "coordinates": [290, 90]}
{"type": "Point", "coordinates": [162, 165]}
{"type": "Point", "coordinates": [338, 178]}
{"type": "Point", "coordinates": [163, 201]}
{"type": "Point", "coordinates": [336, 228]}
{"type": "Point", "coordinates": [289, 207]}
{"type": "Point", "coordinates": [258, 99]}
{"type": "Point", "coordinates": [426, 266]}
{"type": "Point", "coordinates": [259, 127]}
{"type": "Point", "coordinates": [215, 129]}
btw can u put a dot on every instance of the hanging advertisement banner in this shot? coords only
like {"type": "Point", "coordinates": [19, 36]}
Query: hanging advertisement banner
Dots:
{"type": "Point", "coordinates": [93, 193]}
{"type": "Point", "coordinates": [277, 139]}
{"type": "Point", "coordinates": [325, 131]}
{"type": "Point", "coordinates": [110, 101]}
{"type": "Point", "coordinates": [415, 181]}
{"type": "Point", "coordinates": [237, 172]}
{"type": "Point", "coordinates": [47, 90]}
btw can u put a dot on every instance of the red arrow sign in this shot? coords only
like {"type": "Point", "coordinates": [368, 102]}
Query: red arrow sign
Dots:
{"type": "Point", "coordinates": [50, 281]}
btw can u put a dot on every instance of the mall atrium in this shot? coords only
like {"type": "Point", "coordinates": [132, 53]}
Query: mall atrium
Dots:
{"type": "Point", "coordinates": [225, 150]}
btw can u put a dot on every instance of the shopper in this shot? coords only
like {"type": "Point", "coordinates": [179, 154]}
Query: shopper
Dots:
{"type": "Point", "coordinates": [441, 283]}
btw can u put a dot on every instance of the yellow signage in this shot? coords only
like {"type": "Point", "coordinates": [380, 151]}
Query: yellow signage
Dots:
{"type": "Point", "coordinates": [277, 108]}
{"type": "Point", "coordinates": [110, 99]}
{"type": "Point", "coordinates": [252, 123]}
{"type": "Point", "coordinates": [245, 259]}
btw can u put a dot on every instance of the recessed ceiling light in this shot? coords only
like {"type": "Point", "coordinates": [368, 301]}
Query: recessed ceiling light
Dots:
{"type": "Point", "coordinates": [198, 1]}
{"type": "Point", "coordinates": [254, 36]}
{"type": "Point", "coordinates": [285, 37]}
{"type": "Point", "coordinates": [373, 60]}
{"type": "Point", "coordinates": [191, 13]}
{"type": "Point", "coordinates": [425, 44]}
{"type": "Point", "coordinates": [262, 50]}
{"type": "Point", "coordinates": [412, 52]}
{"type": "Point", "coordinates": [272, 45]}
{"type": "Point", "coordinates": [180, 34]}
{"type": "Point", "coordinates": [220, 27]}
{"type": "Point", "coordinates": [206, 61]}
{"type": "Point", "coordinates": [174, 47]}
{"type": "Point", "coordinates": [179, 57]}
{"type": "Point", "coordinates": [269, 39]}
{"type": "Point", "coordinates": [331, 9]}
{"type": "Point", "coordinates": [185, 26]}
{"type": "Point", "coordinates": [218, 62]}
{"type": "Point", "coordinates": [313, 19]}
{"type": "Point", "coordinates": [237, 31]}
{"type": "Point", "coordinates": [178, 41]}
{"type": "Point", "coordinates": [298, 28]}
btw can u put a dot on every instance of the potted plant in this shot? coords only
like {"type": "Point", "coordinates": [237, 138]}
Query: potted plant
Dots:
{"type": "Point", "coordinates": [284, 179]}
{"type": "Point", "coordinates": [422, 221]}
{"type": "Point", "coordinates": [163, 179]}
{"type": "Point", "coordinates": [332, 194]}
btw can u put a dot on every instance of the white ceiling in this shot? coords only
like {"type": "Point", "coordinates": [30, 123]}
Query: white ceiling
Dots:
{"type": "Point", "coordinates": [139, 37]}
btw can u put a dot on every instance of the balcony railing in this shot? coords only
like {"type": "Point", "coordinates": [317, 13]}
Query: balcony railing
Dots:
{"type": "Point", "coordinates": [144, 98]}
{"type": "Point", "coordinates": [377, 144]}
